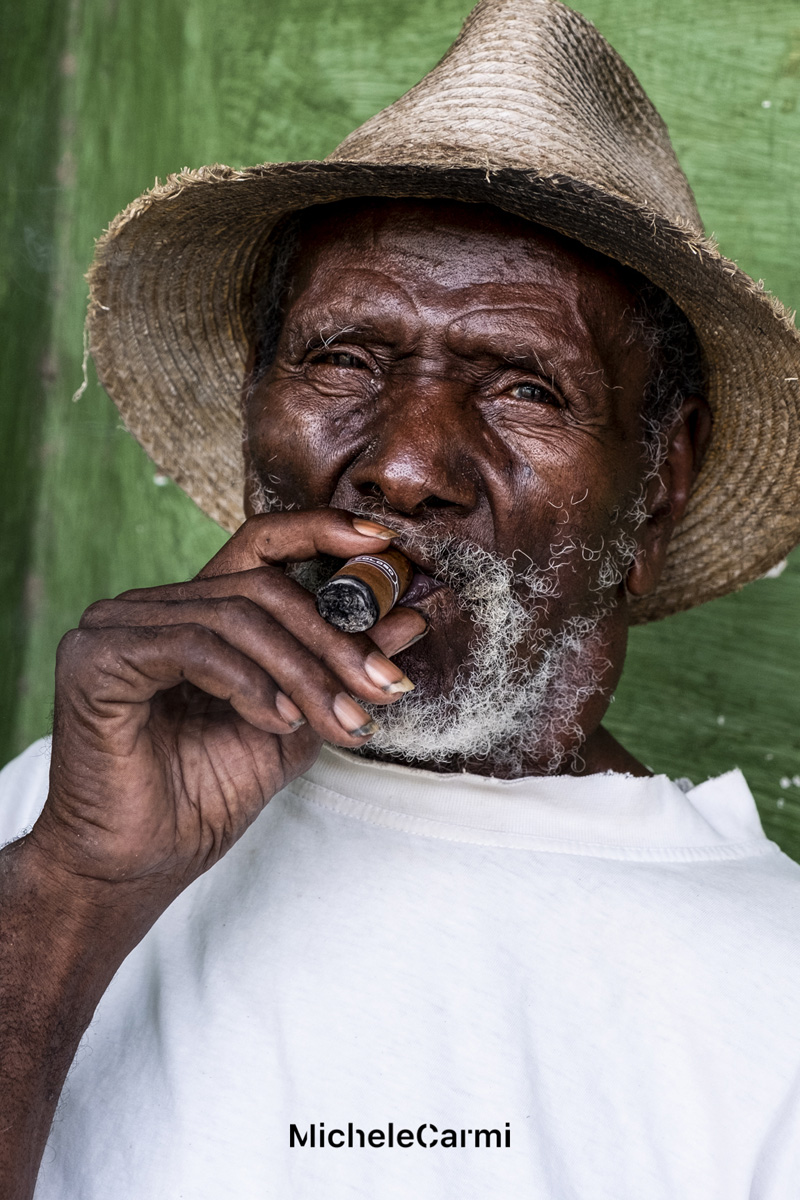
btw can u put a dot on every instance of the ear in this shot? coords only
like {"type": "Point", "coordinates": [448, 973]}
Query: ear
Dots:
{"type": "Point", "coordinates": [668, 492]}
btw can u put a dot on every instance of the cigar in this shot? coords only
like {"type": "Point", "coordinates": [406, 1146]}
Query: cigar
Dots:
{"type": "Point", "coordinates": [364, 590]}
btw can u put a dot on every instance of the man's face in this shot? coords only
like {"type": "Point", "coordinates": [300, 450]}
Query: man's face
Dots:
{"type": "Point", "coordinates": [464, 375]}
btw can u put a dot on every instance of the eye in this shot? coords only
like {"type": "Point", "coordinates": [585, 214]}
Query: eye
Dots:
{"type": "Point", "coordinates": [533, 392]}
{"type": "Point", "coordinates": [340, 358]}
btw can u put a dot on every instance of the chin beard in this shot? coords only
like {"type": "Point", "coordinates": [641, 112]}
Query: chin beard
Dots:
{"type": "Point", "coordinates": [515, 711]}
{"type": "Point", "coordinates": [518, 712]}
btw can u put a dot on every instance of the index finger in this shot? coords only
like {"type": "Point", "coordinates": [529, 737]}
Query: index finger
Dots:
{"type": "Point", "coordinates": [297, 537]}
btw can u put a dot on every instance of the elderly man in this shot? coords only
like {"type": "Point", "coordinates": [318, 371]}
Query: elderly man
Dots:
{"type": "Point", "coordinates": [472, 947]}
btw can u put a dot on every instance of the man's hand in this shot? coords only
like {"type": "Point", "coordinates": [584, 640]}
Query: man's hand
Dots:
{"type": "Point", "coordinates": [181, 710]}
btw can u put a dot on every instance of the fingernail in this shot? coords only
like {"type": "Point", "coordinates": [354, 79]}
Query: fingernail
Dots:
{"type": "Point", "coordinates": [385, 675]}
{"type": "Point", "coordinates": [373, 529]}
{"type": "Point", "coordinates": [401, 685]}
{"type": "Point", "coordinates": [352, 717]}
{"type": "Point", "coordinates": [289, 711]}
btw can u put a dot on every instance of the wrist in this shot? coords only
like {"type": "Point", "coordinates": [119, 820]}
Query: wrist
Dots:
{"type": "Point", "coordinates": [80, 917]}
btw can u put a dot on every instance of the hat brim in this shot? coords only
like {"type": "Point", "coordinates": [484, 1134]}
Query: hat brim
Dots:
{"type": "Point", "coordinates": [170, 327]}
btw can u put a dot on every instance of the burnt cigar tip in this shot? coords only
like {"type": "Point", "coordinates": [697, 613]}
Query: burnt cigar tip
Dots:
{"type": "Point", "coordinates": [348, 604]}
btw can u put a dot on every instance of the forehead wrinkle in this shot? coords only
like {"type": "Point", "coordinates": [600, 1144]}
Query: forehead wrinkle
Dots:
{"type": "Point", "coordinates": [347, 297]}
{"type": "Point", "coordinates": [328, 271]}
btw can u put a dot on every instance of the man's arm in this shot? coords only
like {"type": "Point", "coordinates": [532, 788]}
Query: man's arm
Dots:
{"type": "Point", "coordinates": [60, 946]}
{"type": "Point", "coordinates": [180, 711]}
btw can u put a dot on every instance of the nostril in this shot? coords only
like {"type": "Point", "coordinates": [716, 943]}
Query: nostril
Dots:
{"type": "Point", "coordinates": [370, 491]}
{"type": "Point", "coordinates": [406, 492]}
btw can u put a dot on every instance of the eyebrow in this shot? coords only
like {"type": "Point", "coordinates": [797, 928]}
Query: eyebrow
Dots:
{"type": "Point", "coordinates": [488, 331]}
{"type": "Point", "coordinates": [324, 338]}
{"type": "Point", "coordinates": [497, 330]}
{"type": "Point", "coordinates": [324, 327]}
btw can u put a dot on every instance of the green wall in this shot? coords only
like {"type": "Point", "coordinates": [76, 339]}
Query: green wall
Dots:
{"type": "Point", "coordinates": [101, 96]}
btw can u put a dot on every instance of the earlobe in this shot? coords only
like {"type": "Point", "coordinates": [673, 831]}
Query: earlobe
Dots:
{"type": "Point", "coordinates": [665, 501]}
{"type": "Point", "coordinates": [655, 534]}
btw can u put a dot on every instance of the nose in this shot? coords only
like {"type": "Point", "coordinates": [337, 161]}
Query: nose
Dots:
{"type": "Point", "coordinates": [419, 456]}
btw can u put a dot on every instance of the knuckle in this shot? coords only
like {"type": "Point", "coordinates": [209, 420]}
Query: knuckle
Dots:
{"type": "Point", "coordinates": [80, 656]}
{"type": "Point", "coordinates": [97, 614]}
{"type": "Point", "coordinates": [254, 531]}
{"type": "Point", "coordinates": [262, 588]}
{"type": "Point", "coordinates": [240, 609]}
{"type": "Point", "coordinates": [133, 594]}
{"type": "Point", "coordinates": [68, 647]}
{"type": "Point", "coordinates": [262, 583]}
{"type": "Point", "coordinates": [191, 635]}
{"type": "Point", "coordinates": [194, 643]}
{"type": "Point", "coordinates": [259, 523]}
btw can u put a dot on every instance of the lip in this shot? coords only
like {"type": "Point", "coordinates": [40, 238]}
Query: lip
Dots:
{"type": "Point", "coordinates": [419, 589]}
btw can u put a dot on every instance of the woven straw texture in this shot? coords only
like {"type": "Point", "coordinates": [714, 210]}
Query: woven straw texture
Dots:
{"type": "Point", "coordinates": [532, 111]}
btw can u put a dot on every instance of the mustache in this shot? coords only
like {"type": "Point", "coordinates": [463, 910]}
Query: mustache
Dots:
{"type": "Point", "coordinates": [472, 571]}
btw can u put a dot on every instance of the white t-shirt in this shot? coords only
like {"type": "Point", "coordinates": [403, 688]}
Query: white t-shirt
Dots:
{"type": "Point", "coordinates": [604, 971]}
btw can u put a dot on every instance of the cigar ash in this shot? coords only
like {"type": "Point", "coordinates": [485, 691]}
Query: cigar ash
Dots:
{"type": "Point", "coordinates": [349, 604]}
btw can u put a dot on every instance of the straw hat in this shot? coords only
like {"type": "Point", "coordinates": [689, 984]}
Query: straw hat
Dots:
{"type": "Point", "coordinates": [532, 111]}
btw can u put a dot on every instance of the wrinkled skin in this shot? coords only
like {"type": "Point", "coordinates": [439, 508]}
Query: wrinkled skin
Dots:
{"type": "Point", "coordinates": [453, 371]}
{"type": "Point", "coordinates": [487, 385]}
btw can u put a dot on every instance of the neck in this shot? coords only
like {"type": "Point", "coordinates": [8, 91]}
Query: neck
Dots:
{"type": "Point", "coordinates": [600, 752]}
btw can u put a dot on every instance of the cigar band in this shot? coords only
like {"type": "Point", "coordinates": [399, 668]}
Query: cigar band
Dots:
{"type": "Point", "coordinates": [385, 568]}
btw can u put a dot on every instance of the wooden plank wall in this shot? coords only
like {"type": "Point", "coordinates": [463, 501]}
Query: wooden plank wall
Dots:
{"type": "Point", "coordinates": [101, 96]}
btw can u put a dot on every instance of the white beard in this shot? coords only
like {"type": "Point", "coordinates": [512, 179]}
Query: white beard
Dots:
{"type": "Point", "coordinates": [499, 705]}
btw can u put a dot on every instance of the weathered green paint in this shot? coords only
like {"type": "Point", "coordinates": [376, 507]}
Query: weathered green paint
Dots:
{"type": "Point", "coordinates": [147, 86]}
{"type": "Point", "coordinates": [31, 42]}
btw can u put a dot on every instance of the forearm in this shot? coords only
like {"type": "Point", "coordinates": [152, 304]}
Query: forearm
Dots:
{"type": "Point", "coordinates": [172, 730]}
{"type": "Point", "coordinates": [59, 949]}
